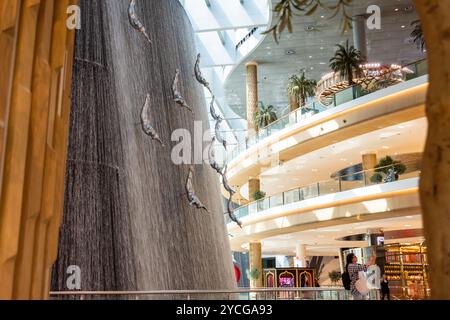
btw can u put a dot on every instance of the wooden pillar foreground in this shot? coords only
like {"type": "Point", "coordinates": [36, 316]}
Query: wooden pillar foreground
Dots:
{"type": "Point", "coordinates": [255, 263]}
{"type": "Point", "coordinates": [36, 63]}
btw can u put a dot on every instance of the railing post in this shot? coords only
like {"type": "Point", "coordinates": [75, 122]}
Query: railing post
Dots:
{"type": "Point", "coordinates": [340, 184]}
{"type": "Point", "coordinates": [318, 189]}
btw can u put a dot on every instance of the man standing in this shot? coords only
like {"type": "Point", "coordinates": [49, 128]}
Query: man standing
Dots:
{"type": "Point", "coordinates": [385, 291]}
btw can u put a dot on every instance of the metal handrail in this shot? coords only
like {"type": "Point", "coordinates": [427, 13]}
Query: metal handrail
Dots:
{"type": "Point", "coordinates": [175, 292]}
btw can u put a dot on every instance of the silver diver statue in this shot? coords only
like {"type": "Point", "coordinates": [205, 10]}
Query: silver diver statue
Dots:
{"type": "Point", "coordinates": [135, 22]}
{"type": "Point", "coordinates": [177, 97]}
{"type": "Point", "coordinates": [192, 198]}
{"type": "Point", "coordinates": [145, 121]}
{"type": "Point", "coordinates": [230, 211]}
{"type": "Point", "coordinates": [212, 158]}
{"type": "Point", "coordinates": [198, 74]}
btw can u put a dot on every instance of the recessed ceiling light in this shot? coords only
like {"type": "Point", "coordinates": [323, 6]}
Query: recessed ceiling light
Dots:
{"type": "Point", "coordinates": [396, 9]}
{"type": "Point", "coordinates": [385, 147]}
{"type": "Point", "coordinates": [310, 57]}
{"type": "Point", "coordinates": [322, 63]}
{"type": "Point", "coordinates": [322, 17]}
{"type": "Point", "coordinates": [290, 52]}
{"type": "Point", "coordinates": [268, 47]}
{"type": "Point", "coordinates": [407, 225]}
{"type": "Point", "coordinates": [403, 27]}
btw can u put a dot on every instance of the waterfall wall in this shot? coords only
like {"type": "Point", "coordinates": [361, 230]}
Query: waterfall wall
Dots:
{"type": "Point", "coordinates": [127, 222]}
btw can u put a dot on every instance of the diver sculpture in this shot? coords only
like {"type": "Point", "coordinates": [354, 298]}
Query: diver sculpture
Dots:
{"type": "Point", "coordinates": [192, 198]}
{"type": "Point", "coordinates": [225, 183]}
{"type": "Point", "coordinates": [198, 74]}
{"type": "Point", "coordinates": [219, 137]}
{"type": "Point", "coordinates": [177, 97]}
{"type": "Point", "coordinates": [230, 211]}
{"type": "Point", "coordinates": [145, 121]}
{"type": "Point", "coordinates": [135, 22]}
{"type": "Point", "coordinates": [211, 155]}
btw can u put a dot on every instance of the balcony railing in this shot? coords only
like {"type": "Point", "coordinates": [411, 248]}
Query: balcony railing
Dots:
{"type": "Point", "coordinates": [333, 293]}
{"type": "Point", "coordinates": [408, 72]}
{"type": "Point", "coordinates": [352, 181]}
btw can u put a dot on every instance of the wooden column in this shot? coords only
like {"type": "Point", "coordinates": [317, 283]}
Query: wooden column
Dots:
{"type": "Point", "coordinates": [253, 186]}
{"type": "Point", "coordinates": [255, 263]}
{"type": "Point", "coordinates": [294, 103]}
{"type": "Point", "coordinates": [34, 113]}
{"type": "Point", "coordinates": [252, 97]}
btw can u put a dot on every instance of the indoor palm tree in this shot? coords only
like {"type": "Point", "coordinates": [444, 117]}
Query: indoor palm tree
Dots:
{"type": "Point", "coordinates": [345, 61]}
{"type": "Point", "coordinates": [265, 115]}
{"type": "Point", "coordinates": [301, 88]}
{"type": "Point", "coordinates": [417, 35]}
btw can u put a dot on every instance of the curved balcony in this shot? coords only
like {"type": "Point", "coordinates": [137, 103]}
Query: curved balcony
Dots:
{"type": "Point", "coordinates": [366, 178]}
{"type": "Point", "coordinates": [339, 97]}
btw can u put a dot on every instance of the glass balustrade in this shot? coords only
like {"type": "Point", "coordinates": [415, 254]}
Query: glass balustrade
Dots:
{"type": "Point", "coordinates": [339, 184]}
{"type": "Point", "coordinates": [407, 73]}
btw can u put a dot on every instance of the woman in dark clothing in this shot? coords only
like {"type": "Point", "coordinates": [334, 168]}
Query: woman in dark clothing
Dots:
{"type": "Point", "coordinates": [385, 291]}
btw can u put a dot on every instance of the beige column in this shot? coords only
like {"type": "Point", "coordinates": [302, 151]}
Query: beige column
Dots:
{"type": "Point", "coordinates": [369, 161]}
{"type": "Point", "coordinates": [301, 255]}
{"type": "Point", "coordinates": [255, 263]}
{"type": "Point", "coordinates": [294, 103]}
{"type": "Point", "coordinates": [253, 186]}
{"type": "Point", "coordinates": [252, 96]}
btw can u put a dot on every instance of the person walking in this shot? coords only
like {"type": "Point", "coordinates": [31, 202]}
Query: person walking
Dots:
{"type": "Point", "coordinates": [353, 268]}
{"type": "Point", "coordinates": [385, 291]}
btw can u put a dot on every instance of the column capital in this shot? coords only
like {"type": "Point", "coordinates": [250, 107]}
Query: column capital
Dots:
{"type": "Point", "coordinates": [251, 63]}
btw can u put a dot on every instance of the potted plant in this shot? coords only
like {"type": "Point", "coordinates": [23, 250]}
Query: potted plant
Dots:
{"type": "Point", "coordinates": [417, 35]}
{"type": "Point", "coordinates": [384, 168]}
{"type": "Point", "coordinates": [301, 88]}
{"type": "Point", "coordinates": [258, 195]}
{"type": "Point", "coordinates": [265, 115]}
{"type": "Point", "coordinates": [346, 61]}
{"type": "Point", "coordinates": [335, 277]}
{"type": "Point", "coordinates": [254, 276]}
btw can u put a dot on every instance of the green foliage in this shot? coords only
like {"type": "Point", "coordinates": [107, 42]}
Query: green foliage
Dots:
{"type": "Point", "coordinates": [384, 165]}
{"type": "Point", "coordinates": [334, 276]}
{"type": "Point", "coordinates": [286, 8]}
{"type": "Point", "coordinates": [265, 115]}
{"type": "Point", "coordinates": [346, 60]}
{"type": "Point", "coordinates": [253, 274]}
{"type": "Point", "coordinates": [417, 35]}
{"type": "Point", "coordinates": [258, 195]}
{"type": "Point", "coordinates": [301, 87]}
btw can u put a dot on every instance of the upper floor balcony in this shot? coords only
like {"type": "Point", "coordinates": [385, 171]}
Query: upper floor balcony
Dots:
{"type": "Point", "coordinates": [333, 91]}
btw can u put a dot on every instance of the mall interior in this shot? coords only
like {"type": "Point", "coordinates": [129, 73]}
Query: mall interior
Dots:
{"type": "Point", "coordinates": [315, 139]}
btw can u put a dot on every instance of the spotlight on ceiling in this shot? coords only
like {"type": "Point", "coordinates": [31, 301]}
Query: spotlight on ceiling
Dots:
{"type": "Point", "coordinates": [290, 52]}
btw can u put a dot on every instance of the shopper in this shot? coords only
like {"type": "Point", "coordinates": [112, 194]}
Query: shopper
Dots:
{"type": "Point", "coordinates": [385, 291]}
{"type": "Point", "coordinates": [354, 268]}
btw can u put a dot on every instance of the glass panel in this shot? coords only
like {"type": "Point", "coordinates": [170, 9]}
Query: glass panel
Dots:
{"type": "Point", "coordinates": [253, 208]}
{"type": "Point", "coordinates": [263, 204]}
{"type": "Point", "coordinates": [276, 200]}
{"type": "Point", "coordinates": [291, 196]}
{"type": "Point", "coordinates": [344, 96]}
{"type": "Point", "coordinates": [308, 192]}
{"type": "Point", "coordinates": [327, 187]}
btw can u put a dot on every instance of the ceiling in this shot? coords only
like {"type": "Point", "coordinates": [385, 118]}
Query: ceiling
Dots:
{"type": "Point", "coordinates": [408, 137]}
{"type": "Point", "coordinates": [313, 50]}
{"type": "Point", "coordinates": [323, 241]}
